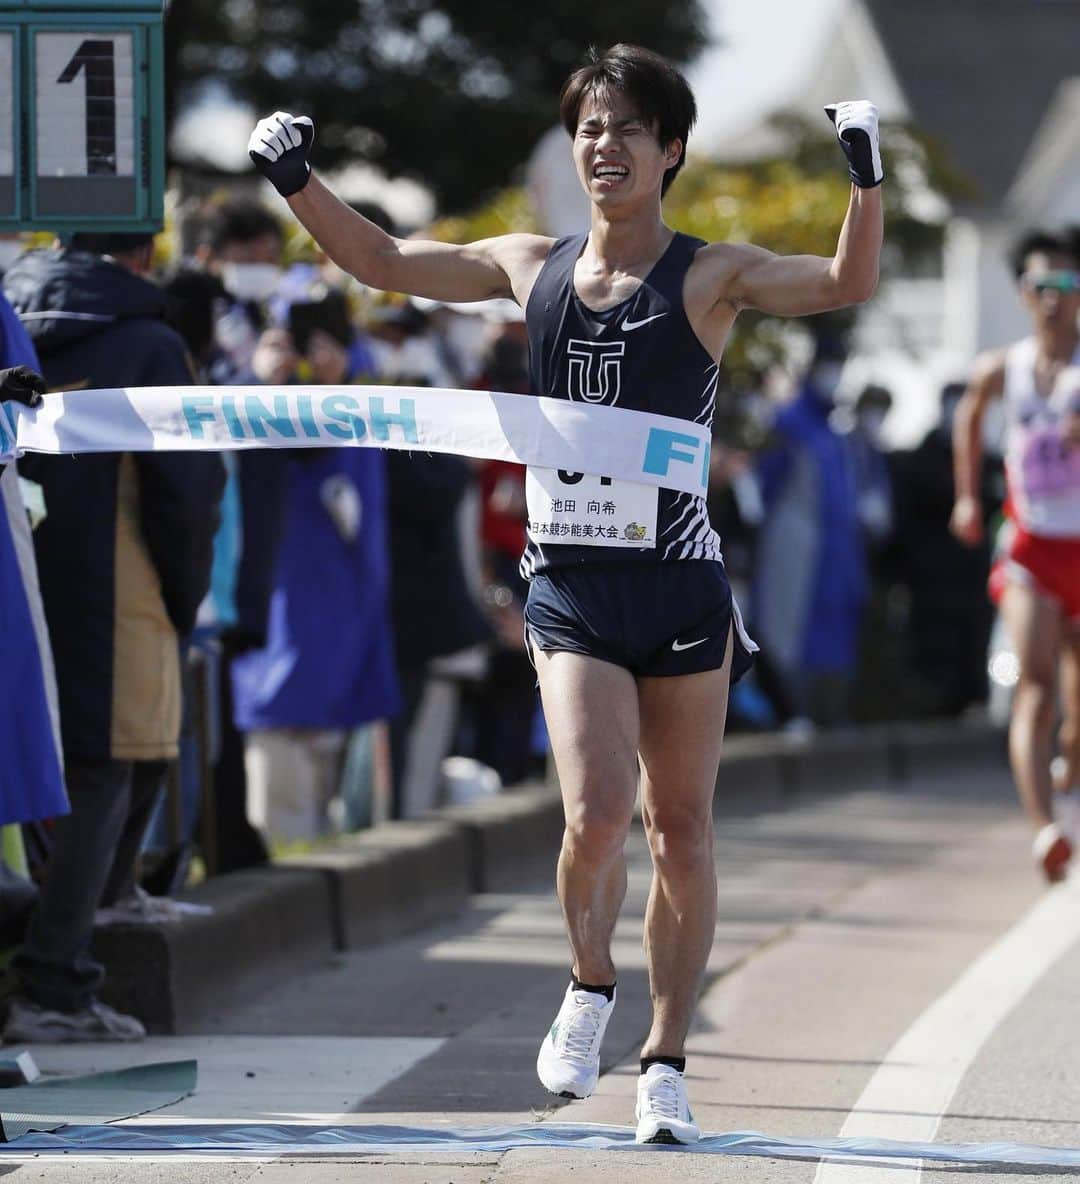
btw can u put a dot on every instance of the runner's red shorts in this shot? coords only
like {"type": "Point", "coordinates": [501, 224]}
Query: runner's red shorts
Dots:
{"type": "Point", "coordinates": [1051, 566]}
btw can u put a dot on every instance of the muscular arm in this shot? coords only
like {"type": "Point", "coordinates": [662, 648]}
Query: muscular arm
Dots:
{"type": "Point", "coordinates": [796, 285]}
{"type": "Point", "coordinates": [986, 385]}
{"type": "Point", "coordinates": [503, 266]}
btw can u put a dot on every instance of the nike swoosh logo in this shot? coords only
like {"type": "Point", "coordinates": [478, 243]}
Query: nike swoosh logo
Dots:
{"type": "Point", "coordinates": [678, 646]}
{"type": "Point", "coordinates": [628, 325]}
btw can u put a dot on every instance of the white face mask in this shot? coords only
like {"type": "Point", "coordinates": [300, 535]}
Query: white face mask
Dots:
{"type": "Point", "coordinates": [9, 252]}
{"type": "Point", "coordinates": [254, 282]}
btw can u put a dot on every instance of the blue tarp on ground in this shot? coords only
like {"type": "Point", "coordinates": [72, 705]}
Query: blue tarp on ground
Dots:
{"type": "Point", "coordinates": [240, 1139]}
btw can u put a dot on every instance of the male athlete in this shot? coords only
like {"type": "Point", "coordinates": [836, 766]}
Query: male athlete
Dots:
{"type": "Point", "coordinates": [633, 632]}
{"type": "Point", "coordinates": [1038, 581]}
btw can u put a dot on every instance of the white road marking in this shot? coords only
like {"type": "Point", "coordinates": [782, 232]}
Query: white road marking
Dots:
{"type": "Point", "coordinates": [911, 1090]}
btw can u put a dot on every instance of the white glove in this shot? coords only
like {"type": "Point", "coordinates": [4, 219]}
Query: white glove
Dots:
{"type": "Point", "coordinates": [857, 129]}
{"type": "Point", "coordinates": [279, 148]}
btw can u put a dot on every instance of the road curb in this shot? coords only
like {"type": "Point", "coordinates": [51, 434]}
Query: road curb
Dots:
{"type": "Point", "coordinates": [265, 923]}
{"type": "Point", "coordinates": [392, 880]}
{"type": "Point", "coordinates": [512, 837]}
{"type": "Point", "coordinates": [403, 876]}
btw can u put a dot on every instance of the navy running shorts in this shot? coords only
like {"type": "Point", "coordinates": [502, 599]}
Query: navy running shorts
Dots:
{"type": "Point", "coordinates": [655, 620]}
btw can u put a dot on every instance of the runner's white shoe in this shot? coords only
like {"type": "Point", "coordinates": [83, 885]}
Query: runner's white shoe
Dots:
{"type": "Point", "coordinates": [1067, 814]}
{"type": "Point", "coordinates": [569, 1060]}
{"type": "Point", "coordinates": [663, 1113]}
{"type": "Point", "coordinates": [1052, 852]}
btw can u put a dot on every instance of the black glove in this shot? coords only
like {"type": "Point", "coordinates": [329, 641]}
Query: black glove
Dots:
{"type": "Point", "coordinates": [279, 148]}
{"type": "Point", "coordinates": [22, 385]}
{"type": "Point", "coordinates": [857, 128]}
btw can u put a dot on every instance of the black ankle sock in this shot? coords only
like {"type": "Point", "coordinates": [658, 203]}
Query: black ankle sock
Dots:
{"type": "Point", "coordinates": [675, 1062]}
{"type": "Point", "coordinates": [578, 985]}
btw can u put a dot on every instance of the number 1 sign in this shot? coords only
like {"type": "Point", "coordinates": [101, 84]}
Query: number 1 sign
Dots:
{"type": "Point", "coordinates": [84, 142]}
{"type": "Point", "coordinates": [85, 125]}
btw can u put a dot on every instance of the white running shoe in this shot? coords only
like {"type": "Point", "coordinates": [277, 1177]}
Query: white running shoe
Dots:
{"type": "Point", "coordinates": [27, 1023]}
{"type": "Point", "coordinates": [1067, 814]}
{"type": "Point", "coordinates": [663, 1113]}
{"type": "Point", "coordinates": [1052, 852]}
{"type": "Point", "coordinates": [569, 1060]}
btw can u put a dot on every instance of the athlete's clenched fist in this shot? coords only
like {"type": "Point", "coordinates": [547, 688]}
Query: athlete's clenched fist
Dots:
{"type": "Point", "coordinates": [279, 148]}
{"type": "Point", "coordinates": [856, 125]}
{"type": "Point", "coordinates": [20, 384]}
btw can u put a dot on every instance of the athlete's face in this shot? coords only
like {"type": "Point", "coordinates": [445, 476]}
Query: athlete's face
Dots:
{"type": "Point", "coordinates": [1050, 289]}
{"type": "Point", "coordinates": [617, 153]}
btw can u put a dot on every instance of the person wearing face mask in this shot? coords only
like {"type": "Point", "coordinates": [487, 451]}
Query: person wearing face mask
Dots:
{"type": "Point", "coordinates": [326, 666]}
{"type": "Point", "coordinates": [1037, 581]}
{"type": "Point", "coordinates": [873, 484]}
{"type": "Point", "coordinates": [242, 244]}
{"type": "Point", "coordinates": [124, 560]}
{"type": "Point", "coordinates": [811, 585]}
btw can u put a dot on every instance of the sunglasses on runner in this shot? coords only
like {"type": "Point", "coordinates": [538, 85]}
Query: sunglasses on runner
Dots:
{"type": "Point", "coordinates": [1053, 281]}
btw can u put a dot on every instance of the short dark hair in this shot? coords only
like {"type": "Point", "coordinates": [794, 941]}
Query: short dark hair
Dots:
{"type": "Point", "coordinates": [191, 299]}
{"type": "Point", "coordinates": [661, 94]}
{"type": "Point", "coordinates": [330, 313]}
{"type": "Point", "coordinates": [1043, 242]}
{"type": "Point", "coordinates": [241, 220]}
{"type": "Point", "coordinates": [115, 243]}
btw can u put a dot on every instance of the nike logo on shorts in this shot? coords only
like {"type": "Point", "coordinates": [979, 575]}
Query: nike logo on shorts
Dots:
{"type": "Point", "coordinates": [679, 646]}
{"type": "Point", "coordinates": [628, 325]}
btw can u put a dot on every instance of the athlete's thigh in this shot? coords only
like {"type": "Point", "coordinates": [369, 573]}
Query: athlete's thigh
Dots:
{"type": "Point", "coordinates": [1035, 628]}
{"type": "Point", "coordinates": [682, 732]}
{"type": "Point", "coordinates": [591, 711]}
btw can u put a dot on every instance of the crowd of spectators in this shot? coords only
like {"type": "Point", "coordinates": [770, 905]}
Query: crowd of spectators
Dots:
{"type": "Point", "coordinates": [303, 642]}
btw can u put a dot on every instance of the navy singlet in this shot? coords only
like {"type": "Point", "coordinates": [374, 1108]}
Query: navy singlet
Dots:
{"type": "Point", "coordinates": [643, 355]}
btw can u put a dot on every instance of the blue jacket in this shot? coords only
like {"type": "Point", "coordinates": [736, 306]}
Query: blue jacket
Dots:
{"type": "Point", "coordinates": [811, 579]}
{"type": "Point", "coordinates": [124, 554]}
{"type": "Point", "coordinates": [328, 661]}
{"type": "Point", "coordinates": [31, 779]}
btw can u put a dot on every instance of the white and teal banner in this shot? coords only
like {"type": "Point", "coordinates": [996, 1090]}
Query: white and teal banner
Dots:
{"type": "Point", "coordinates": [557, 434]}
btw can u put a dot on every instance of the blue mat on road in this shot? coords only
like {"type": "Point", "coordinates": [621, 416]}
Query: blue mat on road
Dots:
{"type": "Point", "coordinates": [55, 1102]}
{"type": "Point", "coordinates": [252, 1139]}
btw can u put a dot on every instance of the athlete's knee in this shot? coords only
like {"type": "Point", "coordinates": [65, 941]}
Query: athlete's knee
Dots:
{"type": "Point", "coordinates": [595, 832]}
{"type": "Point", "coordinates": [679, 835]}
{"type": "Point", "coordinates": [1035, 699]}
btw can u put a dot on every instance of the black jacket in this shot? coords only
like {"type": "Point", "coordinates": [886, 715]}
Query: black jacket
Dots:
{"type": "Point", "coordinates": [434, 611]}
{"type": "Point", "coordinates": [124, 554]}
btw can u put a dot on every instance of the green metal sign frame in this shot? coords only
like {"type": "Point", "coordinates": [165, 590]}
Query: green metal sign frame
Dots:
{"type": "Point", "coordinates": [141, 209]}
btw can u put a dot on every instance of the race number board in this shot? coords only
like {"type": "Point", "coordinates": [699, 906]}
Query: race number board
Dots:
{"type": "Point", "coordinates": [81, 116]}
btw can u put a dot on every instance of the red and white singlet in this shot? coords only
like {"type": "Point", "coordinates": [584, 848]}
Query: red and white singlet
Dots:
{"type": "Point", "coordinates": [1043, 472]}
{"type": "Point", "coordinates": [1042, 467]}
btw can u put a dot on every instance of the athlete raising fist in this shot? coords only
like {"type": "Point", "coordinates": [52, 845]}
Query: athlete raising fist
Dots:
{"type": "Point", "coordinates": [632, 627]}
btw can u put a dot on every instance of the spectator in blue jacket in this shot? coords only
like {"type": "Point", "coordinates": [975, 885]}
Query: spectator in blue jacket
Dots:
{"type": "Point", "coordinates": [124, 558]}
{"type": "Point", "coordinates": [811, 581]}
{"type": "Point", "coordinates": [327, 665]}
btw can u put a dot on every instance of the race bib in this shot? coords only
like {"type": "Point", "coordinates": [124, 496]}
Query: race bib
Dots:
{"type": "Point", "coordinates": [1050, 464]}
{"type": "Point", "coordinates": [589, 511]}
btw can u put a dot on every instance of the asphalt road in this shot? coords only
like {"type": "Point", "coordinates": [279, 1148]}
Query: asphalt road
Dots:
{"type": "Point", "coordinates": [887, 966]}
